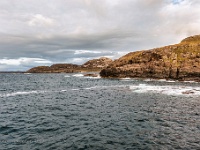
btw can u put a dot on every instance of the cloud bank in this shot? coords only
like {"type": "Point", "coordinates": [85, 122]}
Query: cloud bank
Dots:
{"type": "Point", "coordinates": [42, 32]}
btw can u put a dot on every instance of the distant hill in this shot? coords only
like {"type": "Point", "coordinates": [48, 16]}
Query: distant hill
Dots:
{"type": "Point", "coordinates": [180, 61]}
{"type": "Point", "coordinates": [89, 66]}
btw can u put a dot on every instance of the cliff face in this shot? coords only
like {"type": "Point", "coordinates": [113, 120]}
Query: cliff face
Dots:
{"type": "Point", "coordinates": [92, 65]}
{"type": "Point", "coordinates": [180, 61]}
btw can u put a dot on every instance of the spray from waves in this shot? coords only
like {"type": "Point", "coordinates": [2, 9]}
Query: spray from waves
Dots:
{"type": "Point", "coordinates": [167, 90]}
{"type": "Point", "coordinates": [141, 88]}
{"type": "Point", "coordinates": [88, 77]}
{"type": "Point", "coordinates": [19, 93]}
{"type": "Point", "coordinates": [78, 75]}
{"type": "Point", "coordinates": [66, 76]}
{"type": "Point", "coordinates": [174, 90]}
{"type": "Point", "coordinates": [96, 88]}
{"type": "Point", "coordinates": [125, 78]}
{"type": "Point", "coordinates": [147, 80]}
{"type": "Point", "coordinates": [98, 77]}
{"type": "Point", "coordinates": [13, 94]}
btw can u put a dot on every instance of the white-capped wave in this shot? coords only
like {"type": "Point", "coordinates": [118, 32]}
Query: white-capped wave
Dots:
{"type": "Point", "coordinates": [98, 77]}
{"type": "Point", "coordinates": [162, 80]}
{"type": "Point", "coordinates": [125, 78]}
{"type": "Point", "coordinates": [78, 75]}
{"type": "Point", "coordinates": [171, 81]}
{"type": "Point", "coordinates": [159, 80]}
{"type": "Point", "coordinates": [190, 82]}
{"type": "Point", "coordinates": [168, 90]}
{"type": "Point", "coordinates": [19, 93]}
{"type": "Point", "coordinates": [89, 88]}
{"type": "Point", "coordinates": [66, 76]}
{"type": "Point", "coordinates": [63, 90]}
{"type": "Point", "coordinates": [148, 80]}
{"type": "Point", "coordinates": [75, 89]}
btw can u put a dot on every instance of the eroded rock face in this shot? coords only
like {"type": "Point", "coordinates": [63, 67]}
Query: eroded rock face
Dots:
{"type": "Point", "coordinates": [92, 65]}
{"type": "Point", "coordinates": [180, 61]}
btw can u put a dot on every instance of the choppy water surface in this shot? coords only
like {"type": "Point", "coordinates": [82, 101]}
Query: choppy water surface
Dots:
{"type": "Point", "coordinates": [69, 111]}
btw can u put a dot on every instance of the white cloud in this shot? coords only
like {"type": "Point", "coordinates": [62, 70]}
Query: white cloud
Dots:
{"type": "Point", "coordinates": [40, 20]}
{"type": "Point", "coordinates": [23, 61]}
{"type": "Point", "coordinates": [180, 19]}
{"type": "Point", "coordinates": [14, 62]}
{"type": "Point", "coordinates": [86, 52]}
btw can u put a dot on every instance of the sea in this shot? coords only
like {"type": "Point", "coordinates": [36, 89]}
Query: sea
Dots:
{"type": "Point", "coordinates": [71, 111]}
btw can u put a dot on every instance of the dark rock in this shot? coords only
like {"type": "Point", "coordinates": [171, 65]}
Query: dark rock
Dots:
{"type": "Point", "coordinates": [91, 75]}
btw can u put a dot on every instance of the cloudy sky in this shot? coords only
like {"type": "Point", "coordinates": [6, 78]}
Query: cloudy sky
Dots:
{"type": "Point", "coordinates": [43, 32]}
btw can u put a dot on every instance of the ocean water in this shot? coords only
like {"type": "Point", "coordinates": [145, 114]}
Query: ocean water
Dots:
{"type": "Point", "coordinates": [70, 111]}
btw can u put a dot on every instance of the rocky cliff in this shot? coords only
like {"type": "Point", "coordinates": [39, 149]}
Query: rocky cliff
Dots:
{"type": "Point", "coordinates": [180, 61]}
{"type": "Point", "coordinates": [91, 65]}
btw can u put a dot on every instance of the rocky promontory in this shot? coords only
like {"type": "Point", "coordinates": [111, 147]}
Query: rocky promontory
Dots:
{"type": "Point", "coordinates": [90, 66]}
{"type": "Point", "coordinates": [56, 68]}
{"type": "Point", "coordinates": [180, 61]}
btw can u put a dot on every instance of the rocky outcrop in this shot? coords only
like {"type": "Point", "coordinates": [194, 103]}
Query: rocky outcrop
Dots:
{"type": "Point", "coordinates": [98, 63]}
{"type": "Point", "coordinates": [56, 68]}
{"type": "Point", "coordinates": [90, 66]}
{"type": "Point", "coordinates": [180, 61]}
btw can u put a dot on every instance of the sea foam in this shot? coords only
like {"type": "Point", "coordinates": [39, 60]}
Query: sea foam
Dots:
{"type": "Point", "coordinates": [167, 90]}
{"type": "Point", "coordinates": [18, 93]}
{"type": "Point", "coordinates": [66, 76]}
{"type": "Point", "coordinates": [78, 75]}
{"type": "Point", "coordinates": [98, 77]}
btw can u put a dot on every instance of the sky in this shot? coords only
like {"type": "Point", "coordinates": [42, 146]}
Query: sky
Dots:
{"type": "Point", "coordinates": [44, 32]}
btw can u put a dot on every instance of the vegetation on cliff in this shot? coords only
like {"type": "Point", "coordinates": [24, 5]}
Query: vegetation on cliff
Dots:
{"type": "Point", "coordinates": [180, 61]}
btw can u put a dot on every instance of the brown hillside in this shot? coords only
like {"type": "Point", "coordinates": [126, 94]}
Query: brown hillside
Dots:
{"type": "Point", "coordinates": [180, 61]}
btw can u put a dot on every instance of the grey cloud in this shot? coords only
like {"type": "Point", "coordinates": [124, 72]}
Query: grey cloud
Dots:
{"type": "Point", "coordinates": [55, 30]}
{"type": "Point", "coordinates": [43, 45]}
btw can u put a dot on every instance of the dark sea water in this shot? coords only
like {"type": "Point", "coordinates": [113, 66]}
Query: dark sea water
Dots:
{"type": "Point", "coordinates": [68, 111]}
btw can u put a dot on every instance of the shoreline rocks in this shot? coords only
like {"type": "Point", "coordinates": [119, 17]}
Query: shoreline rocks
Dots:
{"type": "Point", "coordinates": [91, 75]}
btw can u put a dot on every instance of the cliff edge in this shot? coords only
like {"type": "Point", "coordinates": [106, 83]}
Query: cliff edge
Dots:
{"type": "Point", "coordinates": [180, 61]}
